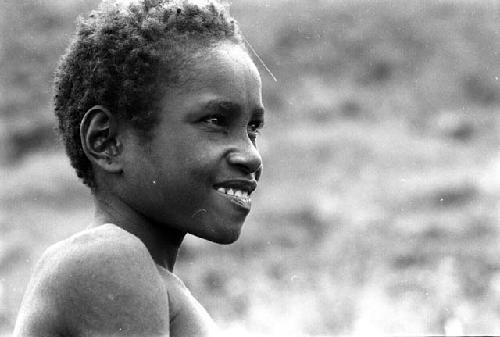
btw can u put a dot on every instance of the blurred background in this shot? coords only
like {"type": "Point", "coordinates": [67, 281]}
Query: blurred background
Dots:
{"type": "Point", "coordinates": [378, 210]}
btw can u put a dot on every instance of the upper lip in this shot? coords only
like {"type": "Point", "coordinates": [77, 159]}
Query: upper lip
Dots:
{"type": "Point", "coordinates": [238, 184]}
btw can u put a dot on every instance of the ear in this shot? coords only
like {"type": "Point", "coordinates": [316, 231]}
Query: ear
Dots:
{"type": "Point", "coordinates": [98, 134]}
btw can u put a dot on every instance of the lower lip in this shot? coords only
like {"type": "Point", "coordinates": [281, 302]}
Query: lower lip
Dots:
{"type": "Point", "coordinates": [242, 203]}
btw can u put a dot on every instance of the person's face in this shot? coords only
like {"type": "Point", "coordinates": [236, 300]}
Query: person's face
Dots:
{"type": "Point", "coordinates": [197, 173]}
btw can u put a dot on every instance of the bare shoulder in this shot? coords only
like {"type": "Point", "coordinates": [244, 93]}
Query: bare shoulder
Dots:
{"type": "Point", "coordinates": [100, 282]}
{"type": "Point", "coordinates": [106, 249]}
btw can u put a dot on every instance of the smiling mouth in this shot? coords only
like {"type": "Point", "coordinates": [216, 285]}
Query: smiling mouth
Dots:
{"type": "Point", "coordinates": [238, 192]}
{"type": "Point", "coordinates": [242, 195]}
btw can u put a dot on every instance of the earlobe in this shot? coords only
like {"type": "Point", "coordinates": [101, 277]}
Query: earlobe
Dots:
{"type": "Point", "coordinates": [98, 135]}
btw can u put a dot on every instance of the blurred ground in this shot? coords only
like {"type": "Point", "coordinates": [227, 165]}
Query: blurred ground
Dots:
{"type": "Point", "coordinates": [378, 210]}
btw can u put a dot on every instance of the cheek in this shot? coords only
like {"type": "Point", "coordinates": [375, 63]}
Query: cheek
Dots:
{"type": "Point", "coordinates": [184, 179]}
{"type": "Point", "coordinates": [196, 162]}
{"type": "Point", "coordinates": [180, 175]}
{"type": "Point", "coordinates": [143, 184]}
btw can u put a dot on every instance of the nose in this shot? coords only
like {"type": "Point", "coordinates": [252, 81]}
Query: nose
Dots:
{"type": "Point", "coordinates": [247, 158]}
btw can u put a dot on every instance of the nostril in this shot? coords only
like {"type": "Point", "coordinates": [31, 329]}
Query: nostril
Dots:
{"type": "Point", "coordinates": [250, 161]}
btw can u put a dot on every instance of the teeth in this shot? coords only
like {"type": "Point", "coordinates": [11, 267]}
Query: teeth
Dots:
{"type": "Point", "coordinates": [234, 192]}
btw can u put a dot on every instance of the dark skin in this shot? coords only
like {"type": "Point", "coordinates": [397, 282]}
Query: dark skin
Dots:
{"type": "Point", "coordinates": [193, 176]}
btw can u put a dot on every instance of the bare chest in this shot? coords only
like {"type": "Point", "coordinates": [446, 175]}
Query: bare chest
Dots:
{"type": "Point", "coordinates": [187, 316]}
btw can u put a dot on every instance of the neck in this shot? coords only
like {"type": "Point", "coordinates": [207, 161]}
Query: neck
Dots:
{"type": "Point", "coordinates": [162, 242]}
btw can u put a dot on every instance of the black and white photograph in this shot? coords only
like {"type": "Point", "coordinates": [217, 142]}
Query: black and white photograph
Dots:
{"type": "Point", "coordinates": [249, 168]}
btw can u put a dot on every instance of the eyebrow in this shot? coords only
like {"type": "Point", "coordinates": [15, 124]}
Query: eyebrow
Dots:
{"type": "Point", "coordinates": [217, 105]}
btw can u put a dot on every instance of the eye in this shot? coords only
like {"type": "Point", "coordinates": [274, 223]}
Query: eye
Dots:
{"type": "Point", "coordinates": [215, 120]}
{"type": "Point", "coordinates": [254, 128]}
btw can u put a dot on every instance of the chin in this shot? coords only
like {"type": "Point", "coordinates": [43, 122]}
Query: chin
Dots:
{"type": "Point", "coordinates": [228, 240]}
{"type": "Point", "coordinates": [216, 229]}
{"type": "Point", "coordinates": [225, 237]}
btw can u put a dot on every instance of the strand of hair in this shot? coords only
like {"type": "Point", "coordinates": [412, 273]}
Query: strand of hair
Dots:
{"type": "Point", "coordinates": [259, 58]}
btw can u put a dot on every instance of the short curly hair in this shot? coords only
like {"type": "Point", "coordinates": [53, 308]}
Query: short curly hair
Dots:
{"type": "Point", "coordinates": [119, 56]}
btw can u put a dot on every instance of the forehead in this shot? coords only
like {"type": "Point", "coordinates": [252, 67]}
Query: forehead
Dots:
{"type": "Point", "coordinates": [225, 70]}
{"type": "Point", "coordinates": [226, 61]}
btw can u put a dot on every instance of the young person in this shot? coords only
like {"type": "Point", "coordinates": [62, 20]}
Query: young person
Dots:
{"type": "Point", "coordinates": [159, 106]}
